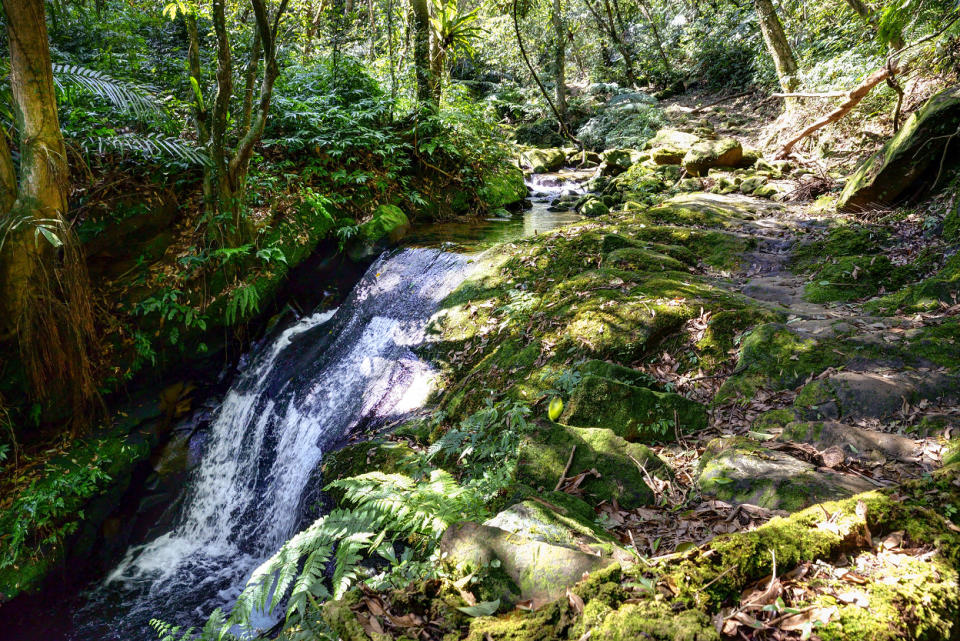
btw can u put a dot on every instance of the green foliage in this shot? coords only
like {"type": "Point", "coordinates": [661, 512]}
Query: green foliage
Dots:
{"type": "Point", "coordinates": [387, 507]}
{"type": "Point", "coordinates": [243, 303]}
{"type": "Point", "coordinates": [627, 124]}
{"type": "Point", "coordinates": [168, 307]}
{"type": "Point", "coordinates": [49, 507]}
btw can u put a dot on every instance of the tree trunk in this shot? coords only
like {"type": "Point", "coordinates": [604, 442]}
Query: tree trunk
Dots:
{"type": "Point", "coordinates": [43, 156]}
{"type": "Point", "coordinates": [777, 44]}
{"type": "Point", "coordinates": [421, 53]}
{"type": "Point", "coordinates": [45, 298]}
{"type": "Point", "coordinates": [609, 27]}
{"type": "Point", "coordinates": [559, 60]}
{"type": "Point", "coordinates": [656, 34]}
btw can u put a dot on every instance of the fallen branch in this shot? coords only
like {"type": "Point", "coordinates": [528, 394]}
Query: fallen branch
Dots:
{"type": "Point", "coordinates": [854, 97]}
{"type": "Point", "coordinates": [717, 102]}
{"type": "Point", "coordinates": [563, 474]}
{"type": "Point", "coordinates": [825, 94]}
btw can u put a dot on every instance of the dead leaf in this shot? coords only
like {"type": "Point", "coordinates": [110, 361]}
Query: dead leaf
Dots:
{"type": "Point", "coordinates": [856, 597]}
{"type": "Point", "coordinates": [575, 601]}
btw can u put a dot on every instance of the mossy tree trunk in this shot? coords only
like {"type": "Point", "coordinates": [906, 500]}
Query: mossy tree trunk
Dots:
{"type": "Point", "coordinates": [777, 44]}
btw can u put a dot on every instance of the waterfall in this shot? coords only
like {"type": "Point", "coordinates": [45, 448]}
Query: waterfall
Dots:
{"type": "Point", "coordinates": [297, 396]}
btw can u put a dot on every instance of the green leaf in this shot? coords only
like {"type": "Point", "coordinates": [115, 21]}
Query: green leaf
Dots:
{"type": "Point", "coordinates": [51, 237]}
{"type": "Point", "coordinates": [482, 609]}
{"type": "Point", "coordinates": [555, 409]}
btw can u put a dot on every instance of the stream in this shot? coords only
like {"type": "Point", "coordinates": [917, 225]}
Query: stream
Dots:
{"type": "Point", "coordinates": [297, 394]}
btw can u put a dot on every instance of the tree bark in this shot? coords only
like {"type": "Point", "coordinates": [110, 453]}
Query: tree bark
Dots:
{"type": "Point", "coordinates": [41, 192]}
{"type": "Point", "coordinates": [777, 44]}
{"type": "Point", "coordinates": [559, 60]}
{"type": "Point", "coordinates": [421, 53]}
{"type": "Point", "coordinates": [609, 27]}
{"type": "Point", "coordinates": [656, 34]}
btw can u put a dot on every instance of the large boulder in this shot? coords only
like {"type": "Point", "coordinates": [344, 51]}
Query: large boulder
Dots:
{"type": "Point", "coordinates": [669, 146]}
{"type": "Point", "coordinates": [535, 570]}
{"type": "Point", "coordinates": [912, 156]}
{"type": "Point", "coordinates": [593, 207]}
{"type": "Point", "coordinates": [739, 470]}
{"type": "Point", "coordinates": [609, 463]}
{"type": "Point", "coordinates": [541, 161]}
{"type": "Point", "coordinates": [725, 152]}
{"type": "Point", "coordinates": [634, 413]}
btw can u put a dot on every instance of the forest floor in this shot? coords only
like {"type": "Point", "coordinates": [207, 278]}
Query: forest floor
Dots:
{"type": "Point", "coordinates": [824, 349]}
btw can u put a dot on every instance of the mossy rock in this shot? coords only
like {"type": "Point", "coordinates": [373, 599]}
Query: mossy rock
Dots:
{"type": "Point", "coordinates": [593, 208]}
{"type": "Point", "coordinates": [928, 294]}
{"type": "Point", "coordinates": [740, 470]}
{"type": "Point", "coordinates": [725, 152]}
{"type": "Point", "coordinates": [616, 372]}
{"type": "Point", "coordinates": [538, 571]}
{"type": "Point", "coordinates": [544, 454]}
{"type": "Point", "coordinates": [774, 355]}
{"type": "Point", "coordinates": [669, 146]}
{"type": "Point", "coordinates": [620, 159]}
{"type": "Point", "coordinates": [637, 414]}
{"type": "Point", "coordinates": [635, 259]}
{"type": "Point", "coordinates": [852, 277]}
{"type": "Point", "coordinates": [702, 209]}
{"type": "Point", "coordinates": [913, 155]}
{"type": "Point", "coordinates": [752, 184]}
{"type": "Point", "coordinates": [388, 223]}
{"type": "Point", "coordinates": [654, 621]}
{"type": "Point", "coordinates": [503, 187]}
{"type": "Point", "coordinates": [690, 184]}
{"type": "Point", "coordinates": [555, 524]}
{"type": "Point", "coordinates": [541, 161]}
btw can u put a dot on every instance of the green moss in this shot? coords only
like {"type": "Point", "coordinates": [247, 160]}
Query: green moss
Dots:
{"type": "Point", "coordinates": [812, 395]}
{"type": "Point", "coordinates": [634, 413]}
{"type": "Point", "coordinates": [544, 454]}
{"type": "Point", "coordinates": [725, 152]}
{"type": "Point", "coordinates": [772, 355]}
{"type": "Point", "coordinates": [616, 372]}
{"type": "Point", "coordinates": [503, 187]}
{"type": "Point", "coordinates": [841, 240]}
{"type": "Point", "coordinates": [700, 210]}
{"type": "Point", "coordinates": [635, 259]}
{"type": "Point", "coordinates": [655, 621]}
{"type": "Point", "coordinates": [852, 277]}
{"type": "Point", "coordinates": [942, 287]}
{"type": "Point", "coordinates": [773, 419]}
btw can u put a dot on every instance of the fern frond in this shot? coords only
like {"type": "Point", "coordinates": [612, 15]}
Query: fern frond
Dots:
{"type": "Point", "coordinates": [123, 95]}
{"type": "Point", "coordinates": [147, 145]}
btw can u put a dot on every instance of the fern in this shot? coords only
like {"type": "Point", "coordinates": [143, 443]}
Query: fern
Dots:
{"type": "Point", "coordinates": [121, 94]}
{"type": "Point", "coordinates": [243, 303]}
{"type": "Point", "coordinates": [387, 506]}
{"type": "Point", "coordinates": [149, 145]}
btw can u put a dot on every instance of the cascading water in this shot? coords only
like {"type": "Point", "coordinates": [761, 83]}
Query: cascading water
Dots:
{"type": "Point", "coordinates": [304, 393]}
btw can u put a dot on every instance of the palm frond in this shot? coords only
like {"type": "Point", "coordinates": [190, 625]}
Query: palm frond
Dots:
{"type": "Point", "coordinates": [149, 145]}
{"type": "Point", "coordinates": [123, 95]}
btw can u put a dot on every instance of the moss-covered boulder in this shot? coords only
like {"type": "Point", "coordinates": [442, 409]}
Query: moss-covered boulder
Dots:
{"type": "Point", "coordinates": [544, 455]}
{"type": "Point", "coordinates": [504, 187]}
{"type": "Point", "coordinates": [739, 470]}
{"type": "Point", "coordinates": [593, 207]}
{"type": "Point", "coordinates": [930, 293]}
{"type": "Point", "coordinates": [538, 571]}
{"type": "Point", "coordinates": [634, 413]}
{"type": "Point", "coordinates": [541, 161]}
{"type": "Point", "coordinates": [912, 156]}
{"type": "Point", "coordinates": [725, 152]}
{"type": "Point", "coordinates": [618, 160]}
{"type": "Point", "coordinates": [669, 146]}
{"type": "Point", "coordinates": [851, 277]}
{"type": "Point", "coordinates": [701, 209]}
{"type": "Point", "coordinates": [555, 518]}
{"type": "Point", "coordinates": [636, 259]}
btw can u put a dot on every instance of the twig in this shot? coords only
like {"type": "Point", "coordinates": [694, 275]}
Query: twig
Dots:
{"type": "Point", "coordinates": [720, 576]}
{"type": "Point", "coordinates": [555, 508]}
{"type": "Point", "coordinates": [566, 469]}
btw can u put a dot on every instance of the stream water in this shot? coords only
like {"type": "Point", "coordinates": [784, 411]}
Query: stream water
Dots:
{"type": "Point", "coordinates": [297, 395]}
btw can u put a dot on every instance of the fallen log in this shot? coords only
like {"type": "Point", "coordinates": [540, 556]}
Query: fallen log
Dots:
{"type": "Point", "coordinates": [854, 96]}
